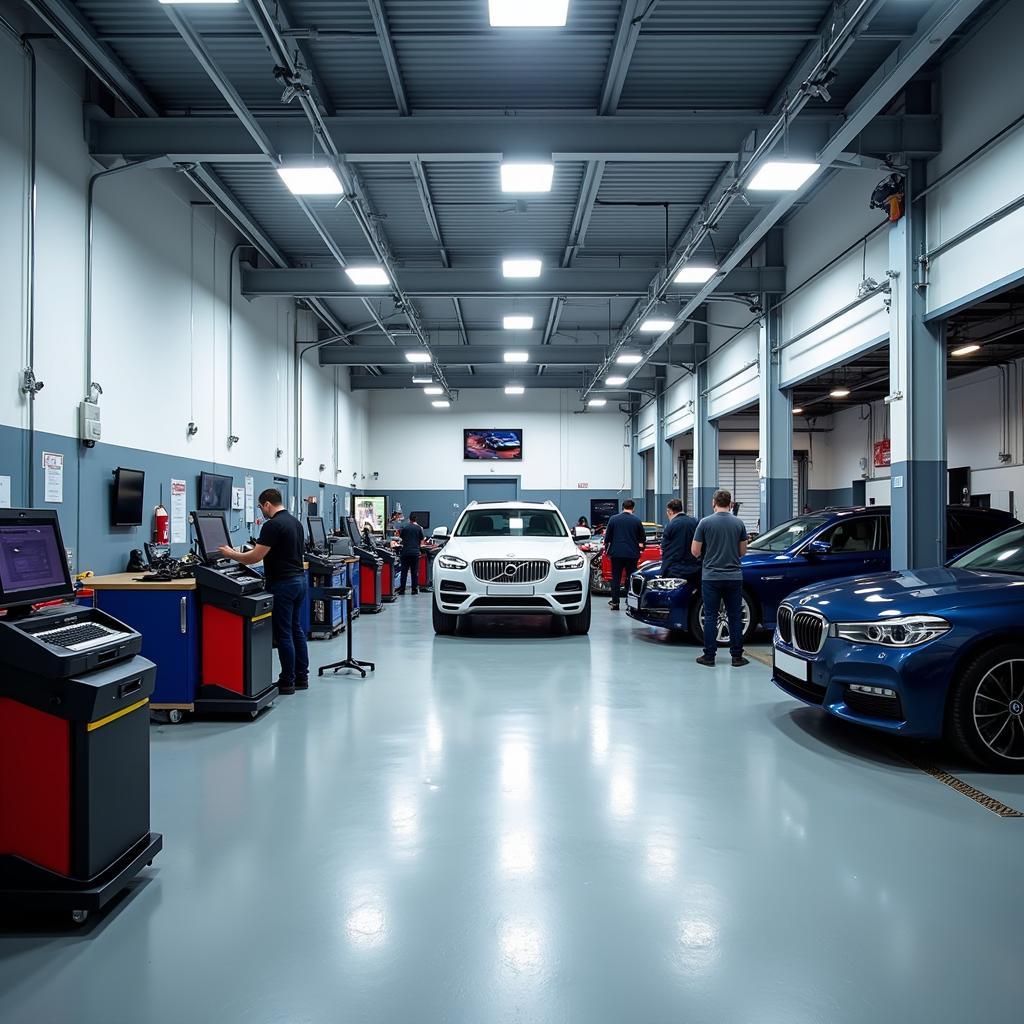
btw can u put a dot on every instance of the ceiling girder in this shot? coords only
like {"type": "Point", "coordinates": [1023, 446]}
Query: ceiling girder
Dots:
{"type": "Point", "coordinates": [483, 355]}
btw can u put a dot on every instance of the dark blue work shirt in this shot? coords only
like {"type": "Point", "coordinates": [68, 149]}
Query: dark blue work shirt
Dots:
{"type": "Point", "coordinates": [676, 557]}
{"type": "Point", "coordinates": [412, 537]}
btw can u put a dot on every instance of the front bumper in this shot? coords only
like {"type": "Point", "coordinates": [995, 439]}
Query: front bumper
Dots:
{"type": "Point", "coordinates": [562, 592]}
{"type": "Point", "coordinates": [919, 677]}
{"type": "Point", "coordinates": [669, 609]}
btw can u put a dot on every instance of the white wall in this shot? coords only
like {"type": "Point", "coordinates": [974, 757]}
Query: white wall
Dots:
{"type": "Point", "coordinates": [160, 305]}
{"type": "Point", "coordinates": [732, 380]}
{"type": "Point", "coordinates": [415, 447]}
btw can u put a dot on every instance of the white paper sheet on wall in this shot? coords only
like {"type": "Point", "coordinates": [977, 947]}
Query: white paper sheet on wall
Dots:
{"type": "Point", "coordinates": [5, 492]}
{"type": "Point", "coordinates": [250, 500]}
{"type": "Point", "coordinates": [237, 499]}
{"type": "Point", "coordinates": [178, 512]}
{"type": "Point", "coordinates": [53, 477]}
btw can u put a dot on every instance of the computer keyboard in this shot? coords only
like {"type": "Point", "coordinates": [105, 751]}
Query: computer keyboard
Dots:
{"type": "Point", "coordinates": [78, 638]}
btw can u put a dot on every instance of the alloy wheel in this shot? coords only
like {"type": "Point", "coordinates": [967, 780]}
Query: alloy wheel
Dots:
{"type": "Point", "coordinates": [998, 709]}
{"type": "Point", "coordinates": [723, 621]}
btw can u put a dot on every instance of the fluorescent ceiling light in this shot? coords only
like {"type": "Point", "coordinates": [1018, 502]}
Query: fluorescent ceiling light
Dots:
{"type": "Point", "coordinates": [797, 411]}
{"type": "Point", "coordinates": [518, 323]}
{"type": "Point", "coordinates": [418, 357]}
{"type": "Point", "coordinates": [597, 402]}
{"type": "Point", "coordinates": [529, 13]}
{"type": "Point", "coordinates": [629, 358]}
{"type": "Point", "coordinates": [515, 389]}
{"type": "Point", "coordinates": [655, 326]}
{"type": "Point", "coordinates": [442, 404]}
{"type": "Point", "coordinates": [839, 393]}
{"type": "Point", "coordinates": [522, 267]}
{"type": "Point", "coordinates": [423, 380]}
{"type": "Point", "coordinates": [517, 357]}
{"type": "Point", "coordinates": [695, 275]}
{"type": "Point", "coordinates": [527, 177]}
{"type": "Point", "coordinates": [614, 382]}
{"type": "Point", "coordinates": [199, 1]}
{"type": "Point", "coordinates": [433, 391]}
{"type": "Point", "coordinates": [367, 275]}
{"type": "Point", "coordinates": [965, 350]}
{"type": "Point", "coordinates": [781, 176]}
{"type": "Point", "coordinates": [311, 181]}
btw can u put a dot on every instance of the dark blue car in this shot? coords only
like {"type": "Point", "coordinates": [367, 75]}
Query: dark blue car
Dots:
{"type": "Point", "coordinates": [803, 552]}
{"type": "Point", "coordinates": [921, 653]}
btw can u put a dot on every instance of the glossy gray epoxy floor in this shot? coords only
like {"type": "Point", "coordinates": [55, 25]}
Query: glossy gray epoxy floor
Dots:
{"type": "Point", "coordinates": [527, 828]}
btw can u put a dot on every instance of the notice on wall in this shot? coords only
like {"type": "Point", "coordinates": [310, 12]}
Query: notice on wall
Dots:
{"type": "Point", "coordinates": [5, 492]}
{"type": "Point", "coordinates": [237, 499]}
{"type": "Point", "coordinates": [179, 534]}
{"type": "Point", "coordinates": [53, 477]}
{"type": "Point", "coordinates": [250, 500]}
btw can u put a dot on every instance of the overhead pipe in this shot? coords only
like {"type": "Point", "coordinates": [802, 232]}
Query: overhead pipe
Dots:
{"type": "Point", "coordinates": [232, 437]}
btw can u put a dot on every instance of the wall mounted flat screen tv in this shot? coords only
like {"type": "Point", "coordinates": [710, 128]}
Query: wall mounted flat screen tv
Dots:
{"type": "Point", "coordinates": [492, 445]}
{"type": "Point", "coordinates": [215, 491]}
{"type": "Point", "coordinates": [370, 510]}
{"type": "Point", "coordinates": [126, 497]}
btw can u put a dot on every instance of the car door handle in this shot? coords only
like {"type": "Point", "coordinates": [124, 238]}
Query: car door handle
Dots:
{"type": "Point", "coordinates": [182, 615]}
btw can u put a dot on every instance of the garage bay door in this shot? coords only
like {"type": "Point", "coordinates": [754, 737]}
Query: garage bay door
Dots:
{"type": "Point", "coordinates": [737, 472]}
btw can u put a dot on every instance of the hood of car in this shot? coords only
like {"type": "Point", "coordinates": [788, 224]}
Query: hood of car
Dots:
{"type": "Point", "coordinates": [763, 559]}
{"type": "Point", "coordinates": [920, 591]}
{"type": "Point", "coordinates": [510, 547]}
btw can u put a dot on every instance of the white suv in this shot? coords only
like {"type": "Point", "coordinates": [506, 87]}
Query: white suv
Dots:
{"type": "Point", "coordinates": [511, 558]}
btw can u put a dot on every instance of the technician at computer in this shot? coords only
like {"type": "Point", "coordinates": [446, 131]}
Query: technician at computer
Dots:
{"type": "Point", "coordinates": [280, 547]}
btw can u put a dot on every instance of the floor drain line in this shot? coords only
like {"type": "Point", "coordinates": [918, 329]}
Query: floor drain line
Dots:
{"type": "Point", "coordinates": [765, 659]}
{"type": "Point", "coordinates": [990, 803]}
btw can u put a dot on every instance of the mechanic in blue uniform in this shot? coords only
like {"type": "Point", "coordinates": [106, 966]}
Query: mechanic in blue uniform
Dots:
{"type": "Point", "coordinates": [624, 540]}
{"type": "Point", "coordinates": [677, 561]}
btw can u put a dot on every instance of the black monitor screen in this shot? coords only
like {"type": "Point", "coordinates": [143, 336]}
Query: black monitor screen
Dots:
{"type": "Point", "coordinates": [33, 566]}
{"type": "Point", "coordinates": [127, 505]}
{"type": "Point", "coordinates": [422, 518]}
{"type": "Point", "coordinates": [212, 533]}
{"type": "Point", "coordinates": [317, 533]}
{"type": "Point", "coordinates": [353, 531]}
{"type": "Point", "coordinates": [215, 491]}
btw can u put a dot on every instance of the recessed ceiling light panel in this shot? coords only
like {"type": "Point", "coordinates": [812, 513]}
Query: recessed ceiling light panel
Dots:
{"type": "Point", "coordinates": [782, 175]}
{"type": "Point", "coordinates": [418, 357]}
{"type": "Point", "coordinates": [523, 177]}
{"type": "Point", "coordinates": [517, 357]}
{"type": "Point", "coordinates": [367, 277]}
{"type": "Point", "coordinates": [515, 389]}
{"type": "Point", "coordinates": [692, 274]}
{"type": "Point", "coordinates": [629, 358]}
{"type": "Point", "coordinates": [614, 382]}
{"type": "Point", "coordinates": [654, 325]}
{"type": "Point", "coordinates": [529, 13]}
{"type": "Point", "coordinates": [312, 181]}
{"type": "Point", "coordinates": [965, 350]}
{"type": "Point", "coordinates": [518, 323]}
{"type": "Point", "coordinates": [527, 267]}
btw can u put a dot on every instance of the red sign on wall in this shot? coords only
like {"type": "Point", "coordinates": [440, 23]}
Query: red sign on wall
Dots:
{"type": "Point", "coordinates": [883, 453]}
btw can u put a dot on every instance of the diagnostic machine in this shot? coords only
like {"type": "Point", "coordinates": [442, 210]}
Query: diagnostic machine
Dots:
{"type": "Point", "coordinates": [74, 732]}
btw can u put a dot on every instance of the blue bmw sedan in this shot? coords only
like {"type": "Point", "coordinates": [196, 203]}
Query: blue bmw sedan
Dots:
{"type": "Point", "coordinates": [805, 551]}
{"type": "Point", "coordinates": [921, 653]}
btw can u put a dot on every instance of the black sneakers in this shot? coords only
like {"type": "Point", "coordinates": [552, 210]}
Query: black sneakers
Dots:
{"type": "Point", "coordinates": [302, 682]}
{"type": "Point", "coordinates": [739, 662]}
{"type": "Point", "coordinates": [614, 605]}
{"type": "Point", "coordinates": [706, 661]}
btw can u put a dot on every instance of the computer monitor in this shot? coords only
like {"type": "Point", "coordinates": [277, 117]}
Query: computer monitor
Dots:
{"type": "Point", "coordinates": [127, 498]}
{"type": "Point", "coordinates": [423, 518]}
{"type": "Point", "coordinates": [211, 533]}
{"type": "Point", "coordinates": [353, 531]}
{"type": "Point", "coordinates": [33, 564]}
{"type": "Point", "coordinates": [317, 533]}
{"type": "Point", "coordinates": [215, 491]}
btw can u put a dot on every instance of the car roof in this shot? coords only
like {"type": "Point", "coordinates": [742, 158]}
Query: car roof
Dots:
{"type": "Point", "coordinates": [539, 505]}
{"type": "Point", "coordinates": [849, 510]}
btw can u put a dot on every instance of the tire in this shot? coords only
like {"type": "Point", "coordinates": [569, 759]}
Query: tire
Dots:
{"type": "Point", "coordinates": [986, 709]}
{"type": "Point", "coordinates": [444, 624]}
{"type": "Point", "coordinates": [579, 624]}
{"type": "Point", "coordinates": [697, 621]}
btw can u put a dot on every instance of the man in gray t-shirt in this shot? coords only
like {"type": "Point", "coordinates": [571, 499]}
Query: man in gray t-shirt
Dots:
{"type": "Point", "coordinates": [721, 540]}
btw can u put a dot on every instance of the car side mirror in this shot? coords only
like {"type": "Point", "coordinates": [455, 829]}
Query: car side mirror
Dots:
{"type": "Point", "coordinates": [817, 548]}
{"type": "Point", "coordinates": [441, 531]}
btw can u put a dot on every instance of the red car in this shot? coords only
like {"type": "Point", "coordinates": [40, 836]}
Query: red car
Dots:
{"type": "Point", "coordinates": [601, 564]}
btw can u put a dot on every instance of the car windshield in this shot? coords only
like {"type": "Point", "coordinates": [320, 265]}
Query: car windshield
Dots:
{"type": "Point", "coordinates": [1004, 553]}
{"type": "Point", "coordinates": [511, 522]}
{"type": "Point", "coordinates": [783, 537]}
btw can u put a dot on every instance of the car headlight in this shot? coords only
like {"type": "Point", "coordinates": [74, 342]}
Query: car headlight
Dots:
{"type": "Point", "coordinates": [665, 583]}
{"type": "Point", "coordinates": [572, 562]}
{"type": "Point", "coordinates": [451, 562]}
{"type": "Point", "coordinates": [909, 631]}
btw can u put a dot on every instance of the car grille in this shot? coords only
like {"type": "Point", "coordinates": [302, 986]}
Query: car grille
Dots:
{"type": "Point", "coordinates": [636, 585]}
{"type": "Point", "coordinates": [785, 624]}
{"type": "Point", "coordinates": [808, 632]}
{"type": "Point", "coordinates": [812, 693]}
{"type": "Point", "coordinates": [511, 570]}
{"type": "Point", "coordinates": [511, 602]}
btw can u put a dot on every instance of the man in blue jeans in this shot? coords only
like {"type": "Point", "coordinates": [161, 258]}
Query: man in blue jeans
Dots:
{"type": "Point", "coordinates": [281, 548]}
{"type": "Point", "coordinates": [721, 539]}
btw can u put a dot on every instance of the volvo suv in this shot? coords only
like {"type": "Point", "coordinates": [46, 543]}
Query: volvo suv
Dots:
{"type": "Point", "coordinates": [511, 558]}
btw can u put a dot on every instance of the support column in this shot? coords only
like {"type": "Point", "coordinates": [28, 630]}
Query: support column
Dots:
{"type": "Point", "coordinates": [775, 416]}
{"type": "Point", "coordinates": [663, 454]}
{"type": "Point", "coordinates": [705, 432]}
{"type": "Point", "coordinates": [917, 386]}
{"type": "Point", "coordinates": [637, 463]}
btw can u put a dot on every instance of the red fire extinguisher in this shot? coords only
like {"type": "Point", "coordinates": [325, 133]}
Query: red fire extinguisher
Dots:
{"type": "Point", "coordinates": [161, 526]}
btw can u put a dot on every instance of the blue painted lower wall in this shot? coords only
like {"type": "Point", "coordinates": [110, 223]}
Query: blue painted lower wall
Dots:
{"type": "Point", "coordinates": [840, 497]}
{"type": "Point", "coordinates": [85, 511]}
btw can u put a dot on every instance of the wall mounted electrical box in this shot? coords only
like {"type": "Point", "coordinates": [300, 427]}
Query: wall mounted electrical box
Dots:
{"type": "Point", "coordinates": [89, 423]}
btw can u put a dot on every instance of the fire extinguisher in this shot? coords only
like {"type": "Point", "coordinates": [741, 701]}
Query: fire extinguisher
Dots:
{"type": "Point", "coordinates": [161, 526]}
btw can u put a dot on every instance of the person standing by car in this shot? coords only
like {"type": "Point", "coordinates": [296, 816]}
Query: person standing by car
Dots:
{"type": "Point", "coordinates": [281, 548]}
{"type": "Point", "coordinates": [721, 539]}
{"type": "Point", "coordinates": [677, 561]}
{"type": "Point", "coordinates": [624, 540]}
{"type": "Point", "coordinates": [412, 537]}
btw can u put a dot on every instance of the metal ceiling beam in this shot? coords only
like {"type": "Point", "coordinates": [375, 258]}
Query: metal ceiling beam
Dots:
{"type": "Point", "coordinates": [481, 355]}
{"type": "Point", "coordinates": [387, 49]}
{"type": "Point", "coordinates": [328, 282]}
{"type": "Point", "coordinates": [631, 19]}
{"type": "Point", "coordinates": [464, 382]}
{"type": "Point", "coordinates": [934, 29]}
{"type": "Point", "coordinates": [75, 32]}
{"type": "Point", "coordinates": [712, 137]}
{"type": "Point", "coordinates": [320, 93]}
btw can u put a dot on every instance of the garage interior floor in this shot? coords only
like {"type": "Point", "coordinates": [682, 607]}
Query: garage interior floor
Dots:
{"type": "Point", "coordinates": [516, 826]}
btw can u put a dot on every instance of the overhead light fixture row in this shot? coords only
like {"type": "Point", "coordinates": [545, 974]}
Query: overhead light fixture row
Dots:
{"type": "Point", "coordinates": [522, 267]}
{"type": "Point", "coordinates": [615, 382]}
{"type": "Point", "coordinates": [433, 391]}
{"type": "Point", "coordinates": [423, 380]}
{"type": "Point", "coordinates": [839, 393]}
{"type": "Point", "coordinates": [597, 402]}
{"type": "Point", "coordinates": [418, 356]}
{"type": "Point", "coordinates": [366, 277]}
{"type": "Point", "coordinates": [523, 177]}
{"type": "Point", "coordinates": [442, 404]}
{"type": "Point", "coordinates": [515, 389]}
{"type": "Point", "coordinates": [517, 357]}
{"type": "Point", "coordinates": [518, 323]}
{"type": "Point", "coordinates": [654, 325]}
{"type": "Point", "coordinates": [629, 358]}
{"type": "Point", "coordinates": [965, 350]}
{"type": "Point", "coordinates": [694, 274]}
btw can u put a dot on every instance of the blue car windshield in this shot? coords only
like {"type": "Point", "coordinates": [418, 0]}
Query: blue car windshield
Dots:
{"type": "Point", "coordinates": [783, 537]}
{"type": "Point", "coordinates": [510, 522]}
{"type": "Point", "coordinates": [1004, 553]}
